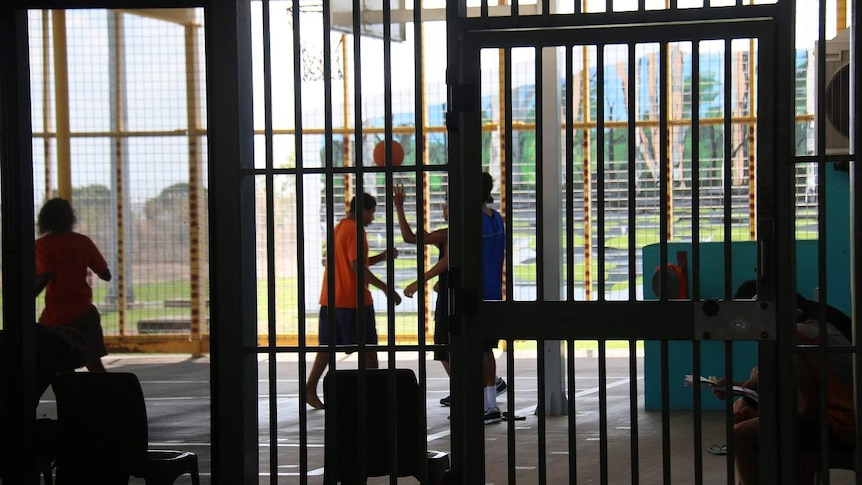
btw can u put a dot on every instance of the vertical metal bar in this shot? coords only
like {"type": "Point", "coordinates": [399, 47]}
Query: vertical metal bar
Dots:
{"type": "Point", "coordinates": [728, 411]}
{"type": "Point", "coordinates": [570, 176]}
{"type": "Point", "coordinates": [329, 185]}
{"type": "Point", "coordinates": [603, 412]}
{"type": "Point", "coordinates": [542, 426]}
{"type": "Point", "coordinates": [505, 174]}
{"type": "Point", "coordinates": [233, 289]}
{"type": "Point", "coordinates": [361, 248]}
{"type": "Point", "coordinates": [665, 412]}
{"type": "Point", "coordinates": [822, 242]}
{"type": "Point", "coordinates": [233, 368]}
{"type": "Point", "coordinates": [19, 351]}
{"type": "Point", "coordinates": [632, 170]}
{"type": "Point", "coordinates": [302, 342]}
{"type": "Point", "coordinates": [727, 240]}
{"type": "Point", "coordinates": [697, 415]}
{"type": "Point", "coordinates": [507, 206]}
{"type": "Point", "coordinates": [419, 167]}
{"type": "Point", "coordinates": [464, 134]}
{"type": "Point", "coordinates": [664, 191]}
{"type": "Point", "coordinates": [540, 187]}
{"type": "Point", "coordinates": [855, 219]}
{"type": "Point", "coordinates": [822, 356]}
{"type": "Point", "coordinates": [572, 405]}
{"type": "Point", "coordinates": [600, 168]}
{"type": "Point", "coordinates": [272, 398]}
{"type": "Point", "coordinates": [727, 173]}
{"type": "Point", "coordinates": [694, 294]}
{"type": "Point", "coordinates": [695, 171]}
{"type": "Point", "coordinates": [820, 73]}
{"type": "Point", "coordinates": [390, 247]}
{"type": "Point", "coordinates": [329, 188]}
{"type": "Point", "coordinates": [664, 198]}
{"type": "Point", "coordinates": [634, 406]}
{"type": "Point", "coordinates": [779, 413]}
{"type": "Point", "coordinates": [511, 448]}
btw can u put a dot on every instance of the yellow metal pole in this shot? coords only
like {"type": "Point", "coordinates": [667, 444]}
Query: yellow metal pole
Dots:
{"type": "Point", "coordinates": [752, 165]}
{"type": "Point", "coordinates": [668, 157]}
{"type": "Point", "coordinates": [426, 183]}
{"type": "Point", "coordinates": [840, 15]}
{"type": "Point", "coordinates": [345, 87]}
{"type": "Point", "coordinates": [501, 125]}
{"type": "Point", "coordinates": [61, 94]}
{"type": "Point", "coordinates": [47, 120]}
{"type": "Point", "coordinates": [587, 175]}
{"type": "Point", "coordinates": [119, 144]}
{"type": "Point", "coordinates": [504, 97]}
{"type": "Point", "coordinates": [196, 190]}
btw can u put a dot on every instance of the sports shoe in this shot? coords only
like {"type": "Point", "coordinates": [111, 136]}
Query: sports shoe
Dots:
{"type": "Point", "coordinates": [492, 415]}
{"type": "Point", "coordinates": [501, 385]}
{"type": "Point", "coordinates": [445, 401]}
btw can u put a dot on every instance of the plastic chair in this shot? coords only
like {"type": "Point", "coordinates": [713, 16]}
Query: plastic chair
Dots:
{"type": "Point", "coordinates": [103, 433]}
{"type": "Point", "coordinates": [342, 442]}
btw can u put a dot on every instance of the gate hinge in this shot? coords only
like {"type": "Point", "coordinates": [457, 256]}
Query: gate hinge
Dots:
{"type": "Point", "coordinates": [462, 98]}
{"type": "Point", "coordinates": [462, 301]}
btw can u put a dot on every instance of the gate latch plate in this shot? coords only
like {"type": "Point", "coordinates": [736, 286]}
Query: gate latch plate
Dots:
{"type": "Point", "coordinates": [734, 320]}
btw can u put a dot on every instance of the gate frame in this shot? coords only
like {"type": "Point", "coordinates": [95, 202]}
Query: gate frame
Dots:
{"type": "Point", "coordinates": [776, 229]}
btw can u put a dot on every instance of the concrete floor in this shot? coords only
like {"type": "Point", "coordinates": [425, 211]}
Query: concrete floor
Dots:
{"type": "Point", "coordinates": [176, 389]}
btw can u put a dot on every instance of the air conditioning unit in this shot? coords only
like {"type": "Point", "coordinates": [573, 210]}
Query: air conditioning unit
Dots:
{"type": "Point", "coordinates": [837, 98]}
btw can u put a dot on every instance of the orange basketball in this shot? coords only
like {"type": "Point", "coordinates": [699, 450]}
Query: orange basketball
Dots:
{"type": "Point", "coordinates": [380, 154]}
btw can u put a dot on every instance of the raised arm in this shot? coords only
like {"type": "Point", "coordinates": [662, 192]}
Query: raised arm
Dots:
{"type": "Point", "coordinates": [437, 238]}
{"type": "Point", "coordinates": [398, 197]}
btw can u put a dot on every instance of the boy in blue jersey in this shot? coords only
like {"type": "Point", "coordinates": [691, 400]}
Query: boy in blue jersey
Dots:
{"type": "Point", "coordinates": [493, 256]}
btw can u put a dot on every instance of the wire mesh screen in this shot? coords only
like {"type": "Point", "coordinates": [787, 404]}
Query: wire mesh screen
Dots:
{"type": "Point", "coordinates": [131, 144]}
{"type": "Point", "coordinates": [118, 110]}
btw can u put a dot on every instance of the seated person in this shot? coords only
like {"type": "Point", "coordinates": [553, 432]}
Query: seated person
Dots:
{"type": "Point", "coordinates": [840, 417]}
{"type": "Point", "coordinates": [57, 350]}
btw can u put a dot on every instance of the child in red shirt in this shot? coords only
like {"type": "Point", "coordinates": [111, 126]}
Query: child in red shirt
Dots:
{"type": "Point", "coordinates": [62, 260]}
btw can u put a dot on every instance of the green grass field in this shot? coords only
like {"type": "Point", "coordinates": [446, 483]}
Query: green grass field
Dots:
{"type": "Point", "coordinates": [150, 299]}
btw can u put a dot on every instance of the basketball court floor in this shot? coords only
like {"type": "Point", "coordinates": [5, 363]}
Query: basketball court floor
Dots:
{"type": "Point", "coordinates": [176, 389]}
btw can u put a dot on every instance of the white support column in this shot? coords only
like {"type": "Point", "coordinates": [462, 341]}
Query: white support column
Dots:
{"type": "Point", "coordinates": [552, 206]}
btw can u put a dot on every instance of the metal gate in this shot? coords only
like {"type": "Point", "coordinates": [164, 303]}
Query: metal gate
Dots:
{"type": "Point", "coordinates": [588, 161]}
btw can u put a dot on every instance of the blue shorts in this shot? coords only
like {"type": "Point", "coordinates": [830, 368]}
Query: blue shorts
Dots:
{"type": "Point", "coordinates": [346, 326]}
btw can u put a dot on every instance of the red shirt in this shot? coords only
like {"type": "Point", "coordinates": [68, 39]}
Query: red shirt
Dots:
{"type": "Point", "coordinates": [345, 278]}
{"type": "Point", "coordinates": [67, 256]}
